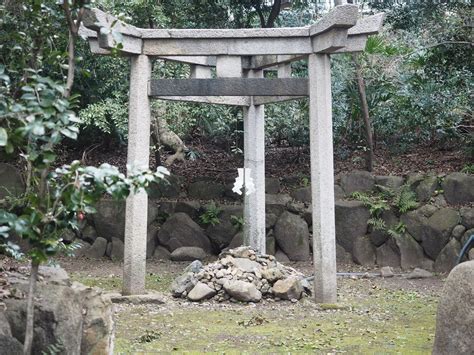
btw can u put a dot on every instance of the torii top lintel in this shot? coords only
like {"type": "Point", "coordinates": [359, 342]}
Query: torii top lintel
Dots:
{"type": "Point", "coordinates": [339, 31]}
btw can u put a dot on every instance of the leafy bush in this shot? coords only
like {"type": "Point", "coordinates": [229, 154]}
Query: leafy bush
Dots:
{"type": "Point", "coordinates": [211, 215]}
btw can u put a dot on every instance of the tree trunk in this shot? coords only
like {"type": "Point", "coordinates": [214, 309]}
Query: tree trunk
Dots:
{"type": "Point", "coordinates": [71, 65]}
{"type": "Point", "coordinates": [30, 310]}
{"type": "Point", "coordinates": [365, 113]}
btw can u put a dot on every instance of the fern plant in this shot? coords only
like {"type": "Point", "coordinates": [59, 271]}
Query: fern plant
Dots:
{"type": "Point", "coordinates": [376, 204]}
{"type": "Point", "coordinates": [211, 215]}
{"type": "Point", "coordinates": [405, 200]}
{"type": "Point", "coordinates": [398, 229]}
{"type": "Point", "coordinates": [237, 222]}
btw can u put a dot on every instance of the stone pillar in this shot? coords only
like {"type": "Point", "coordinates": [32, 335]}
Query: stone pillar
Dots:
{"type": "Point", "coordinates": [137, 156]}
{"type": "Point", "coordinates": [254, 159]}
{"type": "Point", "coordinates": [200, 72]}
{"type": "Point", "coordinates": [322, 178]}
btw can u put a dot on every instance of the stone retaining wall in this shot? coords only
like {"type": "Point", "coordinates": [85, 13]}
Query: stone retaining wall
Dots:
{"type": "Point", "coordinates": [428, 236]}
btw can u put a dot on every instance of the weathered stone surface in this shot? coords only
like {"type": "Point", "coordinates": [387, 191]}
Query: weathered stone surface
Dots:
{"type": "Point", "coordinates": [467, 217]}
{"type": "Point", "coordinates": [378, 237]}
{"type": "Point", "coordinates": [201, 292]}
{"type": "Point", "coordinates": [169, 187]}
{"type": "Point", "coordinates": [351, 221]}
{"type": "Point", "coordinates": [166, 208]}
{"type": "Point", "coordinates": [180, 230]}
{"type": "Point", "coordinates": [466, 236]}
{"type": "Point", "coordinates": [455, 317]}
{"type": "Point", "coordinates": [191, 208]}
{"type": "Point", "coordinates": [161, 253]}
{"type": "Point", "coordinates": [411, 253]}
{"type": "Point", "coordinates": [441, 224]}
{"type": "Point", "coordinates": [272, 185]}
{"type": "Point", "coordinates": [427, 210]}
{"type": "Point", "coordinates": [206, 190]}
{"type": "Point", "coordinates": [11, 182]}
{"type": "Point", "coordinates": [386, 271]}
{"type": "Point", "coordinates": [81, 249]}
{"type": "Point", "coordinates": [446, 259]}
{"type": "Point", "coordinates": [89, 234]}
{"type": "Point", "coordinates": [272, 274]}
{"type": "Point", "coordinates": [270, 244]}
{"type": "Point", "coordinates": [281, 257]}
{"type": "Point", "coordinates": [246, 265]}
{"type": "Point", "coordinates": [276, 204]}
{"type": "Point", "coordinates": [237, 240]}
{"type": "Point", "coordinates": [53, 274]}
{"type": "Point", "coordinates": [418, 273]}
{"type": "Point", "coordinates": [458, 188]}
{"type": "Point", "coordinates": [243, 291]}
{"type": "Point", "coordinates": [188, 254]}
{"type": "Point", "coordinates": [458, 231]}
{"type": "Point", "coordinates": [390, 181]}
{"type": "Point", "coordinates": [338, 192]}
{"type": "Point", "coordinates": [426, 188]}
{"type": "Point", "coordinates": [109, 221]}
{"type": "Point", "coordinates": [416, 224]}
{"type": "Point", "coordinates": [10, 345]}
{"type": "Point", "coordinates": [471, 254]}
{"type": "Point", "coordinates": [195, 266]}
{"type": "Point", "coordinates": [363, 252]}
{"type": "Point", "coordinates": [302, 194]}
{"type": "Point", "coordinates": [342, 256]}
{"type": "Point", "coordinates": [414, 179]}
{"type": "Point", "coordinates": [152, 231]}
{"type": "Point", "coordinates": [116, 253]}
{"type": "Point", "coordinates": [270, 220]}
{"type": "Point", "coordinates": [292, 236]}
{"type": "Point", "coordinates": [97, 249]}
{"type": "Point", "coordinates": [183, 284]}
{"type": "Point", "coordinates": [357, 181]}
{"type": "Point", "coordinates": [222, 233]}
{"type": "Point", "coordinates": [387, 254]}
{"type": "Point", "coordinates": [288, 288]}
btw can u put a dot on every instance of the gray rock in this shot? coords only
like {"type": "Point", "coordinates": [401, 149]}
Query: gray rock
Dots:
{"type": "Point", "coordinates": [411, 253]}
{"type": "Point", "coordinates": [351, 221]}
{"type": "Point", "coordinates": [446, 259]}
{"type": "Point", "coordinates": [246, 265]}
{"type": "Point", "coordinates": [270, 244]}
{"type": "Point", "coordinates": [270, 220]}
{"type": "Point", "coordinates": [281, 257]}
{"type": "Point", "coordinates": [108, 250]}
{"type": "Point", "coordinates": [237, 241]}
{"type": "Point", "coordinates": [363, 252]}
{"type": "Point", "coordinates": [194, 267]}
{"type": "Point", "coordinates": [418, 273]}
{"type": "Point", "coordinates": [166, 208]}
{"type": "Point", "coordinates": [441, 224]}
{"type": "Point", "coordinates": [288, 289]}
{"type": "Point", "coordinates": [180, 231]}
{"type": "Point", "coordinates": [427, 210]}
{"type": "Point", "coordinates": [357, 181]}
{"type": "Point", "coordinates": [338, 192]}
{"type": "Point", "coordinates": [302, 194]}
{"type": "Point", "coordinates": [11, 182]}
{"type": "Point", "coordinates": [4, 325]}
{"type": "Point", "coordinates": [242, 291]}
{"type": "Point", "coordinates": [117, 250]}
{"type": "Point", "coordinates": [201, 292]}
{"type": "Point", "coordinates": [458, 188]}
{"type": "Point", "coordinates": [82, 248]}
{"type": "Point", "coordinates": [222, 233]}
{"type": "Point", "coordinates": [161, 253]}
{"type": "Point", "coordinates": [206, 190]}
{"type": "Point", "coordinates": [169, 187]}
{"type": "Point", "coordinates": [183, 284]}
{"type": "Point", "coordinates": [342, 256]}
{"type": "Point", "coordinates": [455, 317]}
{"type": "Point", "coordinates": [414, 179]}
{"type": "Point", "coordinates": [426, 188]}
{"type": "Point", "coordinates": [416, 224]}
{"type": "Point", "coordinates": [272, 185]}
{"type": "Point", "coordinates": [97, 250]}
{"type": "Point", "coordinates": [378, 237]}
{"type": "Point", "coordinates": [109, 221]}
{"type": "Point", "coordinates": [386, 271]}
{"type": "Point", "coordinates": [188, 254]}
{"type": "Point", "coordinates": [387, 254]}
{"type": "Point", "coordinates": [390, 181]}
{"type": "Point", "coordinates": [471, 254]}
{"type": "Point", "coordinates": [152, 231]}
{"type": "Point", "coordinates": [276, 204]}
{"type": "Point", "coordinates": [54, 275]}
{"type": "Point", "coordinates": [68, 236]}
{"type": "Point", "coordinates": [191, 208]}
{"type": "Point", "coordinates": [458, 231]}
{"type": "Point", "coordinates": [292, 235]}
{"type": "Point", "coordinates": [466, 236]}
{"type": "Point", "coordinates": [272, 274]}
{"type": "Point", "coordinates": [10, 345]}
{"type": "Point", "coordinates": [467, 217]}
{"type": "Point", "coordinates": [440, 201]}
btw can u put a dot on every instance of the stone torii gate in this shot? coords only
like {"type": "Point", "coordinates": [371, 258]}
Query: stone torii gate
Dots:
{"type": "Point", "coordinates": [240, 57]}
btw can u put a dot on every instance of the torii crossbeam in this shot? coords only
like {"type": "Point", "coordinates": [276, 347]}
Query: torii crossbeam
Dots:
{"type": "Point", "coordinates": [240, 57]}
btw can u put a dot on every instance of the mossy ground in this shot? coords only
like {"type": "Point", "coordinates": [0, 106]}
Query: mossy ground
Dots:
{"type": "Point", "coordinates": [384, 321]}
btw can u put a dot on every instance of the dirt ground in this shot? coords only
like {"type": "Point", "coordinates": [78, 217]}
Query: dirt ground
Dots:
{"type": "Point", "coordinates": [373, 315]}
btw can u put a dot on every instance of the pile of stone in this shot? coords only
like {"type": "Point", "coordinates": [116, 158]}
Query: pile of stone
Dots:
{"type": "Point", "coordinates": [240, 275]}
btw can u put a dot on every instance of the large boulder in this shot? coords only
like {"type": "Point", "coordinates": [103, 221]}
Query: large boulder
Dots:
{"type": "Point", "coordinates": [180, 231]}
{"type": "Point", "coordinates": [206, 190]}
{"type": "Point", "coordinates": [292, 236]}
{"type": "Point", "coordinates": [302, 194]}
{"type": "Point", "coordinates": [272, 185]}
{"type": "Point", "coordinates": [188, 254]}
{"type": "Point", "coordinates": [377, 236]}
{"type": "Point", "coordinates": [169, 187]}
{"type": "Point", "coordinates": [288, 289]}
{"type": "Point", "coordinates": [97, 249]}
{"type": "Point", "coordinates": [363, 251]}
{"type": "Point", "coordinates": [411, 253]}
{"type": "Point", "coordinates": [116, 253]}
{"type": "Point", "coordinates": [390, 181]}
{"type": "Point", "coordinates": [455, 318]}
{"type": "Point", "coordinates": [357, 181]}
{"type": "Point", "coordinates": [351, 221]}
{"type": "Point", "coordinates": [447, 258]}
{"type": "Point", "coordinates": [467, 217]}
{"type": "Point", "coordinates": [221, 234]}
{"type": "Point", "coordinates": [191, 208]}
{"type": "Point", "coordinates": [458, 188]}
{"type": "Point", "coordinates": [387, 254]}
{"type": "Point", "coordinates": [426, 188]}
{"type": "Point", "coordinates": [276, 204]}
{"type": "Point", "coordinates": [75, 318]}
{"type": "Point", "coordinates": [11, 182]}
{"type": "Point", "coordinates": [441, 225]}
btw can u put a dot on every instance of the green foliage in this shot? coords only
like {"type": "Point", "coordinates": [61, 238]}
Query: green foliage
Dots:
{"type": "Point", "coordinates": [405, 200]}
{"type": "Point", "coordinates": [210, 215]}
{"type": "Point", "coordinates": [468, 169]}
{"type": "Point", "coordinates": [377, 223]}
{"type": "Point", "coordinates": [375, 203]}
{"type": "Point", "coordinates": [399, 229]}
{"type": "Point", "coordinates": [237, 222]}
